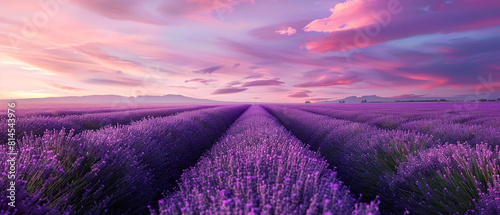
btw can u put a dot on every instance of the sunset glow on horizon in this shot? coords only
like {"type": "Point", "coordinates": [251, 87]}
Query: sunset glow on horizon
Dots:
{"type": "Point", "coordinates": [249, 50]}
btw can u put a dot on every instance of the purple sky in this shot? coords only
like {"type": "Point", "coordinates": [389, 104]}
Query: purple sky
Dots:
{"type": "Point", "coordinates": [250, 50]}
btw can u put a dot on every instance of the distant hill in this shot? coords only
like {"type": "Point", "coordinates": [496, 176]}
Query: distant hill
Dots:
{"type": "Point", "coordinates": [166, 99]}
{"type": "Point", "coordinates": [415, 98]}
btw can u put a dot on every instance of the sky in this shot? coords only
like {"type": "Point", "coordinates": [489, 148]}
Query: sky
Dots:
{"type": "Point", "coordinates": [249, 50]}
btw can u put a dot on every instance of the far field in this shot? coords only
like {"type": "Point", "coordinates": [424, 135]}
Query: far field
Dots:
{"type": "Point", "coordinates": [417, 158]}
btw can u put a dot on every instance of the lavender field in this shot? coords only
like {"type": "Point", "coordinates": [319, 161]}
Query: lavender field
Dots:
{"type": "Point", "coordinates": [422, 158]}
{"type": "Point", "coordinates": [250, 107]}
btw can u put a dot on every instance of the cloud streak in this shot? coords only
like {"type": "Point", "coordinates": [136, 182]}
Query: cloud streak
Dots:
{"type": "Point", "coordinates": [201, 80]}
{"type": "Point", "coordinates": [271, 82]}
{"type": "Point", "coordinates": [331, 81]}
{"type": "Point", "coordinates": [300, 94]}
{"type": "Point", "coordinates": [209, 70]}
{"type": "Point", "coordinates": [229, 90]}
{"type": "Point", "coordinates": [66, 88]}
{"type": "Point", "coordinates": [116, 82]}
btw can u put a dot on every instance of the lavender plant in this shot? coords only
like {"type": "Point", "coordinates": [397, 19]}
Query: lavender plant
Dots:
{"type": "Point", "coordinates": [447, 179]}
{"type": "Point", "coordinates": [489, 202]}
{"type": "Point", "coordinates": [67, 174]}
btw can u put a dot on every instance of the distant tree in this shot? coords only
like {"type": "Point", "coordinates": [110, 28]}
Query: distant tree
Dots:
{"type": "Point", "coordinates": [307, 102]}
{"type": "Point", "coordinates": [483, 100]}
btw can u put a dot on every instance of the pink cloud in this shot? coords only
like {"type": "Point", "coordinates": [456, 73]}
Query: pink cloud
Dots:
{"type": "Point", "coordinates": [362, 23]}
{"type": "Point", "coordinates": [65, 65]}
{"type": "Point", "coordinates": [271, 82]}
{"type": "Point", "coordinates": [130, 10]}
{"type": "Point", "coordinates": [287, 31]}
{"type": "Point", "coordinates": [348, 15]}
{"type": "Point", "coordinates": [194, 8]}
{"type": "Point", "coordinates": [300, 94]}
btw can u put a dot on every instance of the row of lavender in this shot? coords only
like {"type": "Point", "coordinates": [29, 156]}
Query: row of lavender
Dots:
{"type": "Point", "coordinates": [37, 125]}
{"type": "Point", "coordinates": [258, 167]}
{"type": "Point", "coordinates": [114, 170]}
{"type": "Point", "coordinates": [409, 171]}
{"type": "Point", "coordinates": [465, 113]}
{"type": "Point", "coordinates": [442, 129]}
{"type": "Point", "coordinates": [390, 115]}
{"type": "Point", "coordinates": [64, 109]}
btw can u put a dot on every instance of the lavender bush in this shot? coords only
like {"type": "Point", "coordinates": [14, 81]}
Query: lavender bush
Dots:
{"type": "Point", "coordinates": [447, 179]}
{"type": "Point", "coordinates": [62, 172]}
{"type": "Point", "coordinates": [489, 202]}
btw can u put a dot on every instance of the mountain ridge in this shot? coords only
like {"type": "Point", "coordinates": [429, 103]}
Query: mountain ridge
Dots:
{"type": "Point", "coordinates": [415, 98]}
{"type": "Point", "coordinates": [165, 99]}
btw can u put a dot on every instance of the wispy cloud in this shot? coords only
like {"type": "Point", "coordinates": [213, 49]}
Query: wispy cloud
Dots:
{"type": "Point", "coordinates": [209, 70]}
{"type": "Point", "coordinates": [118, 81]}
{"type": "Point", "coordinates": [254, 76]}
{"type": "Point", "coordinates": [331, 81]}
{"type": "Point", "coordinates": [201, 80]}
{"type": "Point", "coordinates": [229, 90]}
{"type": "Point", "coordinates": [271, 82]}
{"type": "Point", "coordinates": [66, 88]}
{"type": "Point", "coordinates": [300, 94]}
{"type": "Point", "coordinates": [233, 83]}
